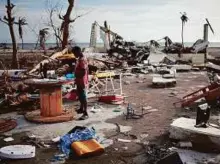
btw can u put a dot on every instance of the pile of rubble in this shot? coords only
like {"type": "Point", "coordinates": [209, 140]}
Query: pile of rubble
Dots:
{"type": "Point", "coordinates": [130, 52]}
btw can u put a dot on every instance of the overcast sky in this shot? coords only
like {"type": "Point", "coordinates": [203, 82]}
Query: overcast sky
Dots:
{"type": "Point", "coordinates": [138, 20]}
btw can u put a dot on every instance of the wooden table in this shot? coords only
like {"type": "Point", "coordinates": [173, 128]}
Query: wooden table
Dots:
{"type": "Point", "coordinates": [50, 101]}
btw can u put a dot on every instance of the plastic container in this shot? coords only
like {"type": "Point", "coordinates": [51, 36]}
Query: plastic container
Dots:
{"type": "Point", "coordinates": [87, 148]}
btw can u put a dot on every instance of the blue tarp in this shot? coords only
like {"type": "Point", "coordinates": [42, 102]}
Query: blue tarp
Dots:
{"type": "Point", "coordinates": [77, 135]}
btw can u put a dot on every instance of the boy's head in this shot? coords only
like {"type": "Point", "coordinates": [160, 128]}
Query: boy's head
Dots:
{"type": "Point", "coordinates": [77, 51]}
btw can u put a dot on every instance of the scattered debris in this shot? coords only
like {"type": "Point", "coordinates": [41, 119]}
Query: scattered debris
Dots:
{"type": "Point", "coordinates": [9, 139]}
{"type": "Point", "coordinates": [59, 158]}
{"type": "Point", "coordinates": [124, 140]}
{"type": "Point", "coordinates": [127, 82]}
{"type": "Point", "coordinates": [75, 135]}
{"type": "Point", "coordinates": [153, 110]}
{"type": "Point", "coordinates": [147, 108]}
{"type": "Point", "coordinates": [163, 82]}
{"type": "Point", "coordinates": [56, 140]}
{"type": "Point", "coordinates": [144, 136]}
{"type": "Point", "coordinates": [35, 141]}
{"type": "Point", "coordinates": [128, 59]}
{"type": "Point", "coordinates": [106, 142]}
{"type": "Point", "coordinates": [171, 158]}
{"type": "Point", "coordinates": [140, 81]}
{"type": "Point", "coordinates": [116, 110]}
{"type": "Point", "coordinates": [155, 153]}
{"type": "Point", "coordinates": [185, 144]}
{"type": "Point", "coordinates": [131, 113]}
{"type": "Point", "coordinates": [96, 108]}
{"type": "Point", "coordinates": [125, 148]}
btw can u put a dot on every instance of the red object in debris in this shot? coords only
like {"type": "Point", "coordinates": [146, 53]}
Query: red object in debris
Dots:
{"type": "Point", "coordinates": [112, 99]}
{"type": "Point", "coordinates": [7, 125]}
{"type": "Point", "coordinates": [210, 92]}
{"type": "Point", "coordinates": [71, 96]}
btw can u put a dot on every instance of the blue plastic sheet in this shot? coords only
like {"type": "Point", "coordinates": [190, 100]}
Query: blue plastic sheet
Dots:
{"type": "Point", "coordinates": [78, 135]}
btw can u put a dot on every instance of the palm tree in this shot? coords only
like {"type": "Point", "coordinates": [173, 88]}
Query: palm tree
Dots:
{"type": "Point", "coordinates": [42, 34]}
{"type": "Point", "coordinates": [21, 22]}
{"type": "Point", "coordinates": [184, 19]}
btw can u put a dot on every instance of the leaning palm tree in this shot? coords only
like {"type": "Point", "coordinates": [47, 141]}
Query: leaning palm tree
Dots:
{"type": "Point", "coordinates": [184, 19]}
{"type": "Point", "coordinates": [21, 22]}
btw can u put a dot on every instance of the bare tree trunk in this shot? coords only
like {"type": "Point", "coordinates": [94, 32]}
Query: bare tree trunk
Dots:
{"type": "Point", "coordinates": [22, 42]}
{"type": "Point", "coordinates": [11, 29]}
{"type": "Point", "coordinates": [14, 44]}
{"type": "Point", "coordinates": [66, 23]}
{"type": "Point", "coordinates": [182, 34]}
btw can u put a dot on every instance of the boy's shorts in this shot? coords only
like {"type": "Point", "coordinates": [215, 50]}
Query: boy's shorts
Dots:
{"type": "Point", "coordinates": [82, 93]}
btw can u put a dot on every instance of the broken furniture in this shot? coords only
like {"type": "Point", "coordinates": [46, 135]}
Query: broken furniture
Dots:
{"type": "Point", "coordinates": [131, 113]}
{"type": "Point", "coordinates": [112, 95]}
{"type": "Point", "coordinates": [210, 93]}
{"type": "Point", "coordinates": [50, 101]}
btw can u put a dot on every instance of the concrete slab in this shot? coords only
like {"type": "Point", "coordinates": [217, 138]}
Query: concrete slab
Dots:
{"type": "Point", "coordinates": [96, 120]}
{"type": "Point", "coordinates": [183, 129]}
{"type": "Point", "coordinates": [161, 80]}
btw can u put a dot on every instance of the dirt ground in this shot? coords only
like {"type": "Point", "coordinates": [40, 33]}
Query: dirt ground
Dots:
{"type": "Point", "coordinates": [155, 124]}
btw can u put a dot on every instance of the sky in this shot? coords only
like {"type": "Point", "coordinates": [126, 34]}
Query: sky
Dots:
{"type": "Point", "coordinates": [135, 20]}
